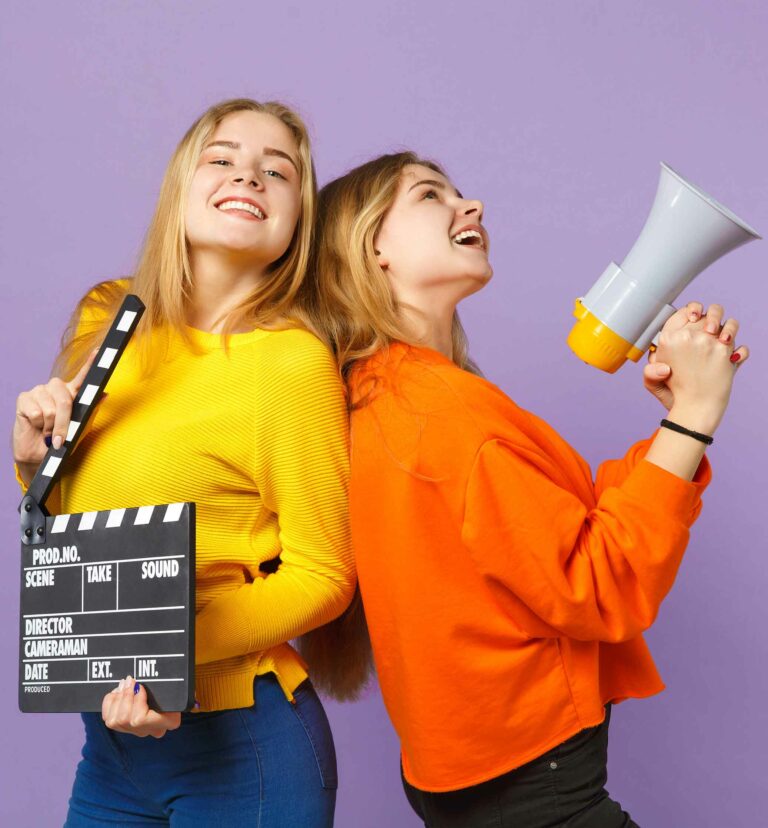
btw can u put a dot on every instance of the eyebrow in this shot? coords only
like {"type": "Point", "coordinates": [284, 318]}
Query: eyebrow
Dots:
{"type": "Point", "coordinates": [267, 151]}
{"type": "Point", "coordinates": [434, 183]}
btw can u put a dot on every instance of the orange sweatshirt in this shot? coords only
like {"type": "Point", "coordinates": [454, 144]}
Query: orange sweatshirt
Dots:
{"type": "Point", "coordinates": [505, 591]}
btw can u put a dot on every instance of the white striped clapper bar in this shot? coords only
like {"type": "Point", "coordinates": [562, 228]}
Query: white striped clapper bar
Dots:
{"type": "Point", "coordinates": [104, 594]}
{"type": "Point", "coordinates": [90, 393]}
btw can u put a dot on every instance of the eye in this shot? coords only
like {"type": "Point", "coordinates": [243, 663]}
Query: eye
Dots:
{"type": "Point", "coordinates": [275, 174]}
{"type": "Point", "coordinates": [222, 161]}
{"type": "Point", "coordinates": [430, 194]}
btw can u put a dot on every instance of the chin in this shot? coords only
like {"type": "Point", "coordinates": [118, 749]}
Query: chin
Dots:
{"type": "Point", "coordinates": [240, 246]}
{"type": "Point", "coordinates": [482, 279]}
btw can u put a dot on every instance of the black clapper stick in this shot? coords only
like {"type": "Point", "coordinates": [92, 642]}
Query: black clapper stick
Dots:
{"type": "Point", "coordinates": [32, 507]}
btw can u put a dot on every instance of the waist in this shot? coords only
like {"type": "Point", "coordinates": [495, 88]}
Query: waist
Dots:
{"type": "Point", "coordinates": [228, 684]}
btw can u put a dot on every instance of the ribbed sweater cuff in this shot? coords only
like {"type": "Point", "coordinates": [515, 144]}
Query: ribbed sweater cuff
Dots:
{"type": "Point", "coordinates": [19, 479]}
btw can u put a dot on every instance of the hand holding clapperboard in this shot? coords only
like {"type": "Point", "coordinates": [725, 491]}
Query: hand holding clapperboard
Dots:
{"type": "Point", "coordinates": [104, 594]}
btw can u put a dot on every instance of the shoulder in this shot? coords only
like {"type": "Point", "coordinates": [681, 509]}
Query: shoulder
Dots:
{"type": "Point", "coordinates": [417, 410]}
{"type": "Point", "coordinates": [295, 360]}
{"type": "Point", "coordinates": [425, 382]}
{"type": "Point", "coordinates": [294, 344]}
{"type": "Point", "coordinates": [420, 398]}
{"type": "Point", "coordinates": [101, 302]}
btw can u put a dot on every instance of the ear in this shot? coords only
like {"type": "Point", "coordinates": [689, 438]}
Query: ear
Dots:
{"type": "Point", "coordinates": [381, 259]}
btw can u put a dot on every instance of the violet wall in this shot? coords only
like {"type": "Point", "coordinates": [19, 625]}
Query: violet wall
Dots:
{"type": "Point", "coordinates": [556, 114]}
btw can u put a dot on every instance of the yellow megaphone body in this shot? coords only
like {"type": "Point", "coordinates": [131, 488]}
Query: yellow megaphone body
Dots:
{"type": "Point", "coordinates": [626, 308]}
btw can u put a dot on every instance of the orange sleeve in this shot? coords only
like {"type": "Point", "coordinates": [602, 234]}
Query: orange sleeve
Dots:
{"type": "Point", "coordinates": [559, 568]}
{"type": "Point", "coordinates": [615, 472]}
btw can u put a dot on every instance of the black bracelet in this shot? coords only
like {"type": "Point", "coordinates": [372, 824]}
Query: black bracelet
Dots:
{"type": "Point", "coordinates": [702, 438]}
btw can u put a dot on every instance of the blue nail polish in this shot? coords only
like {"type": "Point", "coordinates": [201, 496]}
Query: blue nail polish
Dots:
{"type": "Point", "coordinates": [136, 689]}
{"type": "Point", "coordinates": [48, 440]}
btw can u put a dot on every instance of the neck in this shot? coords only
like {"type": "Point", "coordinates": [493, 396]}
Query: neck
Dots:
{"type": "Point", "coordinates": [220, 283]}
{"type": "Point", "coordinates": [432, 328]}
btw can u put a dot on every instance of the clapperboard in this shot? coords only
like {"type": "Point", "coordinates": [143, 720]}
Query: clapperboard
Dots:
{"type": "Point", "coordinates": [104, 594]}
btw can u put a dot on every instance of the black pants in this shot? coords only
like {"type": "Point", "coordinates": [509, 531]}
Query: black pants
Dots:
{"type": "Point", "coordinates": [564, 788]}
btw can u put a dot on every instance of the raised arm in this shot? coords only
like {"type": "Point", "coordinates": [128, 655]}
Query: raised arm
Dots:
{"type": "Point", "coordinates": [561, 568]}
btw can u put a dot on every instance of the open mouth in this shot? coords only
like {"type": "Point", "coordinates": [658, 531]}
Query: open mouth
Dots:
{"type": "Point", "coordinates": [242, 208]}
{"type": "Point", "coordinates": [469, 238]}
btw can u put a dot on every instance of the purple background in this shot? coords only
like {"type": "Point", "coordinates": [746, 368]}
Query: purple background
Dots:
{"type": "Point", "coordinates": [556, 115]}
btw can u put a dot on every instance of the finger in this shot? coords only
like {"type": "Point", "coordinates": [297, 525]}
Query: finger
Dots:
{"type": "Point", "coordinates": [124, 704]}
{"type": "Point", "coordinates": [683, 316]}
{"type": "Point", "coordinates": [140, 711]}
{"type": "Point", "coordinates": [694, 311]}
{"type": "Point", "coordinates": [157, 724]}
{"type": "Point", "coordinates": [47, 405]}
{"type": "Point", "coordinates": [656, 372]}
{"type": "Point", "coordinates": [109, 704]}
{"type": "Point", "coordinates": [160, 723]}
{"type": "Point", "coordinates": [740, 356]}
{"type": "Point", "coordinates": [715, 315]}
{"type": "Point", "coordinates": [150, 722]}
{"type": "Point", "coordinates": [28, 412]}
{"type": "Point", "coordinates": [654, 379]}
{"type": "Point", "coordinates": [63, 399]}
{"type": "Point", "coordinates": [679, 319]}
{"type": "Point", "coordinates": [729, 331]}
{"type": "Point", "coordinates": [76, 381]}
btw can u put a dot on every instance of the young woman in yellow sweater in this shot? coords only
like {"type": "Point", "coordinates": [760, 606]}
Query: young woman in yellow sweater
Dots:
{"type": "Point", "coordinates": [224, 399]}
{"type": "Point", "coordinates": [505, 591]}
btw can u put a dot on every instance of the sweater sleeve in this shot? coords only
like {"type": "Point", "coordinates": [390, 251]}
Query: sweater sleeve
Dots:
{"type": "Point", "coordinates": [301, 471]}
{"type": "Point", "coordinates": [562, 569]}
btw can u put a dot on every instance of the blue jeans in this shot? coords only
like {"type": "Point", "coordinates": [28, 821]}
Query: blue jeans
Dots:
{"type": "Point", "coordinates": [272, 765]}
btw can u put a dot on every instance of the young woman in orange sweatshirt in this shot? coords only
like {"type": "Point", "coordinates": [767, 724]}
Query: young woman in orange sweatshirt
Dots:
{"type": "Point", "coordinates": [506, 591]}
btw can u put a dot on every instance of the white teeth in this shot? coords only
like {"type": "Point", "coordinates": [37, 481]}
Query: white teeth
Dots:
{"type": "Point", "coordinates": [467, 234]}
{"type": "Point", "coordinates": [242, 205]}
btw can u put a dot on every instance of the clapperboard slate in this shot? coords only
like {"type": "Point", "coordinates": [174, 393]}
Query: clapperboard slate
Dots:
{"type": "Point", "coordinates": [104, 594]}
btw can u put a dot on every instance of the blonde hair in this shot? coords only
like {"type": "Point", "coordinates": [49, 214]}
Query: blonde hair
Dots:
{"type": "Point", "coordinates": [350, 304]}
{"type": "Point", "coordinates": [163, 277]}
{"type": "Point", "coordinates": [349, 299]}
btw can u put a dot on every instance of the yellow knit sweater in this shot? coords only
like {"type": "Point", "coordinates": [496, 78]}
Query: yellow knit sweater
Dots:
{"type": "Point", "coordinates": [258, 439]}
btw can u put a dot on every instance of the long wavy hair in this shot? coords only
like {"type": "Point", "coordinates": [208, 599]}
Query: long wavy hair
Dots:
{"type": "Point", "coordinates": [163, 278]}
{"type": "Point", "coordinates": [350, 304]}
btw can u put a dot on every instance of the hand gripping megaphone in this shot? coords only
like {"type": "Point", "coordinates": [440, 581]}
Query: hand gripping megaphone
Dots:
{"type": "Point", "coordinates": [627, 306]}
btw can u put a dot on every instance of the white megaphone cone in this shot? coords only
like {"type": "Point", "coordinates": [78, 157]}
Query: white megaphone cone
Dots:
{"type": "Point", "coordinates": [626, 308]}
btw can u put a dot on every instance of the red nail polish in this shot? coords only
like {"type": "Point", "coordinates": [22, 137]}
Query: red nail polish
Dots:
{"type": "Point", "coordinates": [735, 357]}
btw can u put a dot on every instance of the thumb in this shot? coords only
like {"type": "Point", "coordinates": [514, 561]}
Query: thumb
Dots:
{"type": "Point", "coordinates": [659, 370]}
{"type": "Point", "coordinates": [166, 721]}
{"type": "Point", "coordinates": [655, 375]}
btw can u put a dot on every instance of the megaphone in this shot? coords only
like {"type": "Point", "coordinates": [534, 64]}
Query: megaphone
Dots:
{"type": "Point", "coordinates": [627, 306]}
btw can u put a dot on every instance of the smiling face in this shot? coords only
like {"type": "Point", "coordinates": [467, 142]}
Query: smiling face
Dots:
{"type": "Point", "coordinates": [245, 194]}
{"type": "Point", "coordinates": [431, 242]}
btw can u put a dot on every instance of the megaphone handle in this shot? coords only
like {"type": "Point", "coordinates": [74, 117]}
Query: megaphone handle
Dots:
{"type": "Point", "coordinates": [650, 338]}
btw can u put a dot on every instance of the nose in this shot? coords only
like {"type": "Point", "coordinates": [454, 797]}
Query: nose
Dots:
{"type": "Point", "coordinates": [253, 180]}
{"type": "Point", "coordinates": [472, 207]}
